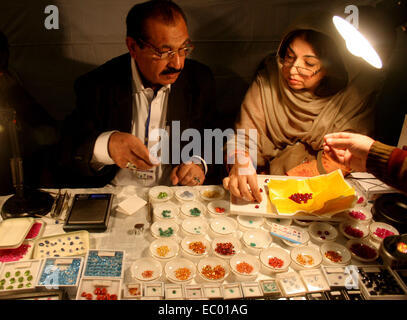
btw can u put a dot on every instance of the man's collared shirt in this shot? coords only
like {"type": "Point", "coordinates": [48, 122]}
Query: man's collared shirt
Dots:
{"type": "Point", "coordinates": [143, 99]}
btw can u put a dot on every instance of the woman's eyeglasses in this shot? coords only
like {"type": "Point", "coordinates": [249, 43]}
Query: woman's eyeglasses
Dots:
{"type": "Point", "coordinates": [288, 61]}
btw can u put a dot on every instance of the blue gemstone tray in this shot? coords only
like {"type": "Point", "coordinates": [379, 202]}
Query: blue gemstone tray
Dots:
{"type": "Point", "coordinates": [62, 245]}
{"type": "Point", "coordinates": [60, 272]}
{"type": "Point", "coordinates": [104, 263]}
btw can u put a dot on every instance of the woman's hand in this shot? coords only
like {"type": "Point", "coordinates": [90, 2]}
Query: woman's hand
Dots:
{"type": "Point", "coordinates": [347, 148]}
{"type": "Point", "coordinates": [242, 181]}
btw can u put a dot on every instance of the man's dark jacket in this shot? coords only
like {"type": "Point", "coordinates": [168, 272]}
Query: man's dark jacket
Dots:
{"type": "Point", "coordinates": [104, 103]}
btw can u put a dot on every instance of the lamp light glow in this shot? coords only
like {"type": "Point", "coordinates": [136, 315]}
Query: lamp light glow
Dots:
{"type": "Point", "coordinates": [356, 43]}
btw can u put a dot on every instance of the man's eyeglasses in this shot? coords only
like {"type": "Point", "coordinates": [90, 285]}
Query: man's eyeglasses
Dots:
{"type": "Point", "coordinates": [182, 52]}
{"type": "Point", "coordinates": [288, 61]}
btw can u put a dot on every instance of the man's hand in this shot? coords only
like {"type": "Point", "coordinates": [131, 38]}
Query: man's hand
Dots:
{"type": "Point", "coordinates": [187, 174]}
{"type": "Point", "coordinates": [124, 148]}
{"type": "Point", "coordinates": [350, 149]}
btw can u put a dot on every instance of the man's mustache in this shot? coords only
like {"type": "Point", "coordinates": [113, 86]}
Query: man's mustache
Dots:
{"type": "Point", "coordinates": [171, 71]}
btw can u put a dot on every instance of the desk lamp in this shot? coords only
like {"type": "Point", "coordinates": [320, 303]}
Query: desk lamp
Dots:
{"type": "Point", "coordinates": [373, 42]}
{"type": "Point", "coordinates": [26, 202]}
{"type": "Point", "coordinates": [374, 38]}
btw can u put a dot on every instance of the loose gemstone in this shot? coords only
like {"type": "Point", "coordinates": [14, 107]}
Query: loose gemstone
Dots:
{"type": "Point", "coordinates": [353, 232]}
{"type": "Point", "coordinates": [195, 212]}
{"type": "Point", "coordinates": [357, 215]}
{"type": "Point", "coordinates": [360, 200]}
{"type": "Point", "coordinates": [244, 267]}
{"type": "Point", "coordinates": [300, 197]}
{"type": "Point", "coordinates": [333, 256]}
{"type": "Point", "coordinates": [162, 195]}
{"type": "Point", "coordinates": [276, 262]}
{"type": "Point", "coordinates": [34, 231]}
{"type": "Point", "coordinates": [166, 213]}
{"type": "Point", "coordinates": [167, 233]}
{"type": "Point", "coordinates": [383, 233]}
{"type": "Point", "coordinates": [182, 274]}
{"type": "Point", "coordinates": [363, 251]}
{"type": "Point", "coordinates": [187, 194]}
{"type": "Point", "coordinates": [147, 274]}
{"type": "Point", "coordinates": [215, 273]}
{"type": "Point", "coordinates": [225, 249]}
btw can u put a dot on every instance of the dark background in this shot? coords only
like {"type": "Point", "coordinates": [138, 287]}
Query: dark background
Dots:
{"type": "Point", "coordinates": [231, 36]}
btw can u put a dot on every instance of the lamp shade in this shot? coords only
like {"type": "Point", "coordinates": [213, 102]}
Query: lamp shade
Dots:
{"type": "Point", "coordinates": [374, 39]}
{"type": "Point", "coordinates": [356, 43]}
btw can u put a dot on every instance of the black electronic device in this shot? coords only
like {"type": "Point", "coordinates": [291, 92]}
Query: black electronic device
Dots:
{"type": "Point", "coordinates": [89, 212]}
{"type": "Point", "coordinates": [391, 208]}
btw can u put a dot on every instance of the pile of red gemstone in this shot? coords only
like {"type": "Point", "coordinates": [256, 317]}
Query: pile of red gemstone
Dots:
{"type": "Point", "coordinates": [220, 210]}
{"type": "Point", "coordinates": [276, 262]}
{"type": "Point", "coordinates": [300, 197]}
{"type": "Point", "coordinates": [357, 215]}
{"type": "Point", "coordinates": [225, 248]}
{"type": "Point", "coordinates": [363, 251]}
{"type": "Point", "coordinates": [383, 233]}
{"type": "Point", "coordinates": [360, 200]}
{"type": "Point", "coordinates": [7, 255]}
{"type": "Point", "coordinates": [100, 293]}
{"type": "Point", "coordinates": [34, 231]}
{"type": "Point", "coordinates": [356, 233]}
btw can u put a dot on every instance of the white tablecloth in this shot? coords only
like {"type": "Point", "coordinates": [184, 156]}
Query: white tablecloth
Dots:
{"type": "Point", "coordinates": [120, 234]}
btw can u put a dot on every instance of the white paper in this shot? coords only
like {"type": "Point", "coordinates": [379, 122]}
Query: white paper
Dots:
{"type": "Point", "coordinates": [362, 175]}
{"type": "Point", "coordinates": [131, 205]}
{"type": "Point", "coordinates": [372, 187]}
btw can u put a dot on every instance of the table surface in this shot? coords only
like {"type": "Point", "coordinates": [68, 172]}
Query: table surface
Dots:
{"type": "Point", "coordinates": [120, 233]}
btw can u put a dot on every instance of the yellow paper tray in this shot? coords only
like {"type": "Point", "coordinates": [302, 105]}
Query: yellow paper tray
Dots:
{"type": "Point", "coordinates": [330, 194]}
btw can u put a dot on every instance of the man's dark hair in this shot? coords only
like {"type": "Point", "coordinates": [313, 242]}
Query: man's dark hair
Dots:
{"type": "Point", "coordinates": [4, 52]}
{"type": "Point", "coordinates": [165, 10]}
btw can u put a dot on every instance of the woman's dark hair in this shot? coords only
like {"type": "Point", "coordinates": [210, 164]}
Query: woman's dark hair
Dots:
{"type": "Point", "coordinates": [166, 10]}
{"type": "Point", "coordinates": [336, 77]}
{"type": "Point", "coordinates": [4, 52]}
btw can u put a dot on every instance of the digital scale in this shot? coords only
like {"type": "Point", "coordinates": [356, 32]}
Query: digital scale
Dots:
{"type": "Point", "coordinates": [89, 212]}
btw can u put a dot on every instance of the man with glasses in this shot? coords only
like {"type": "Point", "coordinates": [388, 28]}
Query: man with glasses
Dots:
{"type": "Point", "coordinates": [122, 101]}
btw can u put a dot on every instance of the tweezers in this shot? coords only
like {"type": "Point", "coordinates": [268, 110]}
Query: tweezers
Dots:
{"type": "Point", "coordinates": [59, 204]}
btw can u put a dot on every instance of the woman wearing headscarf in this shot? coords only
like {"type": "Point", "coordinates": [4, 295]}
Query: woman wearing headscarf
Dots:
{"type": "Point", "coordinates": [313, 86]}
